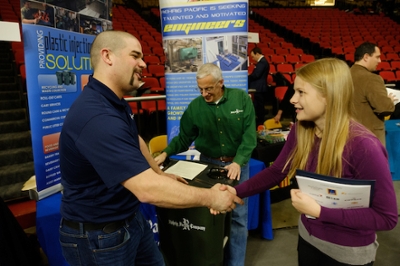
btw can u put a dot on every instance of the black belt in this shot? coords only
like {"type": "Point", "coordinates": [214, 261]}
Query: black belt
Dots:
{"type": "Point", "coordinates": [107, 227]}
{"type": "Point", "coordinates": [224, 159]}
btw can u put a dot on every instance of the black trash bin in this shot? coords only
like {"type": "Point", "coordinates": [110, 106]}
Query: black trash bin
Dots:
{"type": "Point", "coordinates": [193, 236]}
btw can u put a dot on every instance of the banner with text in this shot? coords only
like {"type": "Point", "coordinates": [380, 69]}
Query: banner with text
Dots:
{"type": "Point", "coordinates": [195, 33]}
{"type": "Point", "coordinates": [57, 42]}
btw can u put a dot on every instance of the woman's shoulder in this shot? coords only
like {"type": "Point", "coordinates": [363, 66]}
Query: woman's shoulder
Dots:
{"type": "Point", "coordinates": [360, 135]}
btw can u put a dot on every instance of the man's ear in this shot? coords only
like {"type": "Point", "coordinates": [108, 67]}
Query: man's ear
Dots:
{"type": "Point", "coordinates": [106, 56]}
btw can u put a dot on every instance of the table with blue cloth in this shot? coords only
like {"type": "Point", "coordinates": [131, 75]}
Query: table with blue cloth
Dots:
{"type": "Point", "coordinates": [392, 128]}
{"type": "Point", "coordinates": [47, 224]}
{"type": "Point", "coordinates": [259, 213]}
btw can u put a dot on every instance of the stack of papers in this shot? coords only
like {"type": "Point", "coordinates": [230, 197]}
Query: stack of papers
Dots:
{"type": "Point", "coordinates": [332, 192]}
{"type": "Point", "coordinates": [185, 169]}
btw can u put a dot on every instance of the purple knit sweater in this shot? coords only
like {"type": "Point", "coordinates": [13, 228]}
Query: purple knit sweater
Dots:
{"type": "Point", "coordinates": [364, 157]}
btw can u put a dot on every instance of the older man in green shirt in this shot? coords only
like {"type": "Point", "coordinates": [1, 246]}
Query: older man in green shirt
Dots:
{"type": "Point", "coordinates": [222, 123]}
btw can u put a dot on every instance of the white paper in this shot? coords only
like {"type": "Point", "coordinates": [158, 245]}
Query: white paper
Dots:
{"type": "Point", "coordinates": [187, 170]}
{"type": "Point", "coordinates": [335, 195]}
{"type": "Point", "coordinates": [9, 31]}
{"type": "Point", "coordinates": [396, 93]}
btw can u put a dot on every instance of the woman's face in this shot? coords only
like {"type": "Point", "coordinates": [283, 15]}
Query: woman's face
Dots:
{"type": "Point", "coordinates": [309, 103]}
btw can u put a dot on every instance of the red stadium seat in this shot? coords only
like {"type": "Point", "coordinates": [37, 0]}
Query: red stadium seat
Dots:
{"type": "Point", "coordinates": [388, 76]}
{"type": "Point", "coordinates": [293, 59]}
{"type": "Point", "coordinates": [384, 66]}
{"type": "Point", "coordinates": [151, 60]}
{"type": "Point", "coordinates": [285, 68]}
{"type": "Point", "coordinates": [306, 58]}
{"type": "Point", "coordinates": [277, 59]}
{"type": "Point", "coordinates": [156, 70]}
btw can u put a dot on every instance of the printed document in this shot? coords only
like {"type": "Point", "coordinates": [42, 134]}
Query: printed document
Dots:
{"type": "Point", "coordinates": [185, 169]}
{"type": "Point", "coordinates": [332, 192]}
{"type": "Point", "coordinates": [396, 93]}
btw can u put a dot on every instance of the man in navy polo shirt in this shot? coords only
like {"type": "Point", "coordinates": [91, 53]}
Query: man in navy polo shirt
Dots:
{"type": "Point", "coordinates": [107, 170]}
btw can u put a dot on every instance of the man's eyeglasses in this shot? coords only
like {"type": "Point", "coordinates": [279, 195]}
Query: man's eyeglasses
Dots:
{"type": "Point", "coordinates": [209, 89]}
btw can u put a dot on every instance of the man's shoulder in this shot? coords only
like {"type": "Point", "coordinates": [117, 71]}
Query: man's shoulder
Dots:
{"type": "Point", "coordinates": [236, 91]}
{"type": "Point", "coordinates": [359, 73]}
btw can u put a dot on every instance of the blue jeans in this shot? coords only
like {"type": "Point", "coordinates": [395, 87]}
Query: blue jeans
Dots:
{"type": "Point", "coordinates": [235, 251]}
{"type": "Point", "coordinates": [132, 244]}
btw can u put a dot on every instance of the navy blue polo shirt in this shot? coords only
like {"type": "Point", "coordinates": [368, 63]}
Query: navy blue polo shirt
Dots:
{"type": "Point", "coordinates": [99, 149]}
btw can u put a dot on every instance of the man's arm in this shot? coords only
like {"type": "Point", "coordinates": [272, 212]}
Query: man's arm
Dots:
{"type": "Point", "coordinates": [248, 143]}
{"type": "Point", "coordinates": [146, 153]}
{"type": "Point", "coordinates": [249, 136]}
{"type": "Point", "coordinates": [153, 163]}
{"type": "Point", "coordinates": [378, 97]}
{"type": "Point", "coordinates": [261, 68]}
{"type": "Point", "coordinates": [152, 188]}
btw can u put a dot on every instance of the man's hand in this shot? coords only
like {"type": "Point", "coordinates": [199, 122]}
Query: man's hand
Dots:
{"type": "Point", "coordinates": [175, 177]}
{"type": "Point", "coordinates": [305, 204]}
{"type": "Point", "coordinates": [278, 116]}
{"type": "Point", "coordinates": [225, 199]}
{"type": "Point", "coordinates": [233, 171]}
{"type": "Point", "coordinates": [161, 158]}
{"type": "Point", "coordinates": [393, 97]}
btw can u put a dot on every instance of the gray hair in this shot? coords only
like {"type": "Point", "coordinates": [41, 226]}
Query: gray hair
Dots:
{"type": "Point", "coordinates": [209, 69]}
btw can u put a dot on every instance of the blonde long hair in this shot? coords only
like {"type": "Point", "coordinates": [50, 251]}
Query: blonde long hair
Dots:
{"type": "Point", "coordinates": [332, 78]}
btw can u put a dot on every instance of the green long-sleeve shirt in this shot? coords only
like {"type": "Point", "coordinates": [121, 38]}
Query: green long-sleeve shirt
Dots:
{"type": "Point", "coordinates": [224, 129]}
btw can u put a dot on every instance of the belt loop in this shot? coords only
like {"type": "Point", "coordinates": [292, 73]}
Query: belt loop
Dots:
{"type": "Point", "coordinates": [127, 220]}
{"type": "Point", "coordinates": [81, 229]}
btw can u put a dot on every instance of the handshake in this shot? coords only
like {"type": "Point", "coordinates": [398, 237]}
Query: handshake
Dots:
{"type": "Point", "coordinates": [224, 200]}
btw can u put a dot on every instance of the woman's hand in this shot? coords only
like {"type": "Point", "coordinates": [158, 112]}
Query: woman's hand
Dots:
{"type": "Point", "coordinates": [305, 204]}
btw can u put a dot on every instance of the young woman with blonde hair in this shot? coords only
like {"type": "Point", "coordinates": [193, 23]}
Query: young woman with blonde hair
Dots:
{"type": "Point", "coordinates": [326, 140]}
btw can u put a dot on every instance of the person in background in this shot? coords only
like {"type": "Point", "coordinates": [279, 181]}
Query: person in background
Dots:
{"type": "Point", "coordinates": [221, 122]}
{"type": "Point", "coordinates": [258, 81]}
{"type": "Point", "coordinates": [285, 107]}
{"type": "Point", "coordinates": [107, 169]}
{"type": "Point", "coordinates": [28, 14]}
{"type": "Point", "coordinates": [371, 100]}
{"type": "Point", "coordinates": [326, 140]}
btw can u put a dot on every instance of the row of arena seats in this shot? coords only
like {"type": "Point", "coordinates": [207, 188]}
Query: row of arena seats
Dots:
{"type": "Point", "coordinates": [336, 33]}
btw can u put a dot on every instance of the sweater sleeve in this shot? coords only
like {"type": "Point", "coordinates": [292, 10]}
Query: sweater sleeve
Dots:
{"type": "Point", "coordinates": [369, 161]}
{"type": "Point", "coordinates": [249, 136]}
{"type": "Point", "coordinates": [270, 176]}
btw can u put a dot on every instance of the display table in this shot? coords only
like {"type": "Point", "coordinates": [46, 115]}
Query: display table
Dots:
{"type": "Point", "coordinates": [393, 146]}
{"type": "Point", "coordinates": [267, 152]}
{"type": "Point", "coordinates": [259, 213]}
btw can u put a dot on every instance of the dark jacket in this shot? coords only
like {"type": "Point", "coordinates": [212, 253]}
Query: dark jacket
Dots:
{"type": "Point", "coordinates": [258, 79]}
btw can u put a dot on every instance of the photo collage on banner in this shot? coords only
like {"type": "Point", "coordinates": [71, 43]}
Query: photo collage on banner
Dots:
{"type": "Point", "coordinates": [198, 32]}
{"type": "Point", "coordinates": [57, 40]}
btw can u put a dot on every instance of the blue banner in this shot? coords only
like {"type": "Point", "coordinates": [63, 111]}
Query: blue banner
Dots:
{"type": "Point", "coordinates": [195, 33]}
{"type": "Point", "coordinates": [57, 42]}
{"type": "Point", "coordinates": [57, 62]}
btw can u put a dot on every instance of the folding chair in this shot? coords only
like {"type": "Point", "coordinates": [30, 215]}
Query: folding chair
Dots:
{"type": "Point", "coordinates": [158, 144]}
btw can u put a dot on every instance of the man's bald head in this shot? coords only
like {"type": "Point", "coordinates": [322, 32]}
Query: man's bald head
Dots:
{"type": "Point", "coordinates": [112, 40]}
